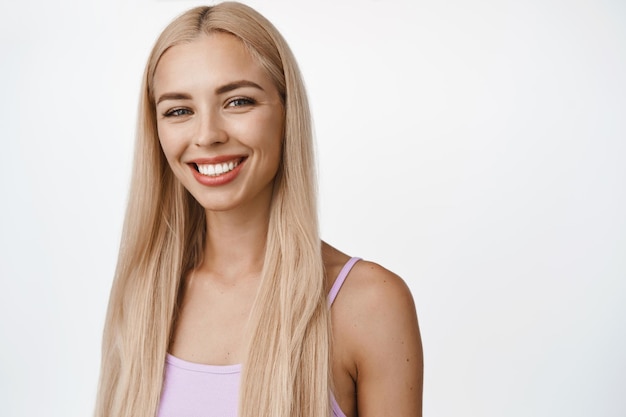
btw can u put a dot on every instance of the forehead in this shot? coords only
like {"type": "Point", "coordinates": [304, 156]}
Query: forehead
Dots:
{"type": "Point", "coordinates": [212, 59]}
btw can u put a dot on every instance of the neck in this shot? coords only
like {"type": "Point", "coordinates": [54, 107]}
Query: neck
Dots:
{"type": "Point", "coordinates": [235, 243]}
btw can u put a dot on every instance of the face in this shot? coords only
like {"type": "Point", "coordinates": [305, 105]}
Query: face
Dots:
{"type": "Point", "coordinates": [220, 122]}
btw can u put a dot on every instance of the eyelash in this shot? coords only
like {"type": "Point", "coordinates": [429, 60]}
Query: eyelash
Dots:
{"type": "Point", "coordinates": [243, 101]}
{"type": "Point", "coordinates": [176, 112]}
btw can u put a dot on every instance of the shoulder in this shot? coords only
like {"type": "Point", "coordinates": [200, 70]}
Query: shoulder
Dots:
{"type": "Point", "coordinates": [373, 301]}
{"type": "Point", "coordinates": [374, 286]}
{"type": "Point", "coordinates": [376, 339]}
{"type": "Point", "coordinates": [368, 286]}
{"type": "Point", "coordinates": [378, 342]}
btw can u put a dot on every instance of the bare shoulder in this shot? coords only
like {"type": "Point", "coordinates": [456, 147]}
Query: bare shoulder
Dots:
{"type": "Point", "coordinates": [375, 321]}
{"type": "Point", "coordinates": [369, 287]}
{"type": "Point", "coordinates": [378, 307]}
{"type": "Point", "coordinates": [377, 287]}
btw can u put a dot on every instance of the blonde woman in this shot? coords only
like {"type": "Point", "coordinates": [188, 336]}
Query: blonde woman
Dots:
{"type": "Point", "coordinates": [225, 301]}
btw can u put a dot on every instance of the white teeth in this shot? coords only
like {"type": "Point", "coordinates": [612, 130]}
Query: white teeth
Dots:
{"type": "Point", "coordinates": [213, 170]}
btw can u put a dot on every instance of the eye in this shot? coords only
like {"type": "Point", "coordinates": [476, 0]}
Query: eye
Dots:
{"type": "Point", "coordinates": [177, 112]}
{"type": "Point", "coordinates": [240, 101]}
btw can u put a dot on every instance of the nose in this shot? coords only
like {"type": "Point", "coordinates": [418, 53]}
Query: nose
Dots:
{"type": "Point", "coordinates": [211, 129]}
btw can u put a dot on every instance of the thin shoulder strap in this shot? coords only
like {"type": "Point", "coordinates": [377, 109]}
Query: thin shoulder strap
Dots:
{"type": "Point", "coordinates": [340, 280]}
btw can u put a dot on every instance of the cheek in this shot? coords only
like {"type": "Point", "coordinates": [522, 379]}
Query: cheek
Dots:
{"type": "Point", "coordinates": [263, 133]}
{"type": "Point", "coordinates": [273, 143]}
{"type": "Point", "coordinates": [275, 134]}
{"type": "Point", "coordinates": [168, 143]}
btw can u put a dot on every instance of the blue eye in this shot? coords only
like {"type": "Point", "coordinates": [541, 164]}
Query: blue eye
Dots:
{"type": "Point", "coordinates": [177, 112]}
{"type": "Point", "coordinates": [241, 101]}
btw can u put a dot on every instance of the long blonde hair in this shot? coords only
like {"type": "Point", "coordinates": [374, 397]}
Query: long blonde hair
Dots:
{"type": "Point", "coordinates": [286, 371]}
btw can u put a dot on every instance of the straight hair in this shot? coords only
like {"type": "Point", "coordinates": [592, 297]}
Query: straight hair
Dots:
{"type": "Point", "coordinates": [286, 371]}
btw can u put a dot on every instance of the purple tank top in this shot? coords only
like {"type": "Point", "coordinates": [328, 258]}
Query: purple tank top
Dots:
{"type": "Point", "coordinates": [198, 390]}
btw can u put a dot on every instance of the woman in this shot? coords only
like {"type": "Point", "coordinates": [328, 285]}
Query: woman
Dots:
{"type": "Point", "coordinates": [221, 300]}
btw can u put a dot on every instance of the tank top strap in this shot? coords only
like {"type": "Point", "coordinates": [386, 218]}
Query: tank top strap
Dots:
{"type": "Point", "coordinates": [343, 274]}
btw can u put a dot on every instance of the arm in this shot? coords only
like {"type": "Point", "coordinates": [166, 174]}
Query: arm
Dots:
{"type": "Point", "coordinates": [386, 345]}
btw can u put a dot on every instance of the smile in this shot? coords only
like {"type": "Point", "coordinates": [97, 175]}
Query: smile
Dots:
{"type": "Point", "coordinates": [214, 170]}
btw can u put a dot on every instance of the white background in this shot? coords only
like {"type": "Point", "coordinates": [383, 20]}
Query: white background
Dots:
{"type": "Point", "coordinates": [476, 148]}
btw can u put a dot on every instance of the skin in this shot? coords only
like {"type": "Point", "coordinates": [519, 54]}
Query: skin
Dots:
{"type": "Point", "coordinates": [377, 353]}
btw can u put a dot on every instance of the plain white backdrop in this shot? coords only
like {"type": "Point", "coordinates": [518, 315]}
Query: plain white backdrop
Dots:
{"type": "Point", "coordinates": [476, 148]}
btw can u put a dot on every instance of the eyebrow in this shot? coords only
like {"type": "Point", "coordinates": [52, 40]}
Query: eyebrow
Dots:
{"type": "Point", "coordinates": [220, 90]}
{"type": "Point", "coordinates": [173, 96]}
{"type": "Point", "coordinates": [235, 85]}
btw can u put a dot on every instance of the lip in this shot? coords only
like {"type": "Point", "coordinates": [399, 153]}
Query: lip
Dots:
{"type": "Point", "coordinates": [217, 159]}
{"type": "Point", "coordinates": [218, 180]}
